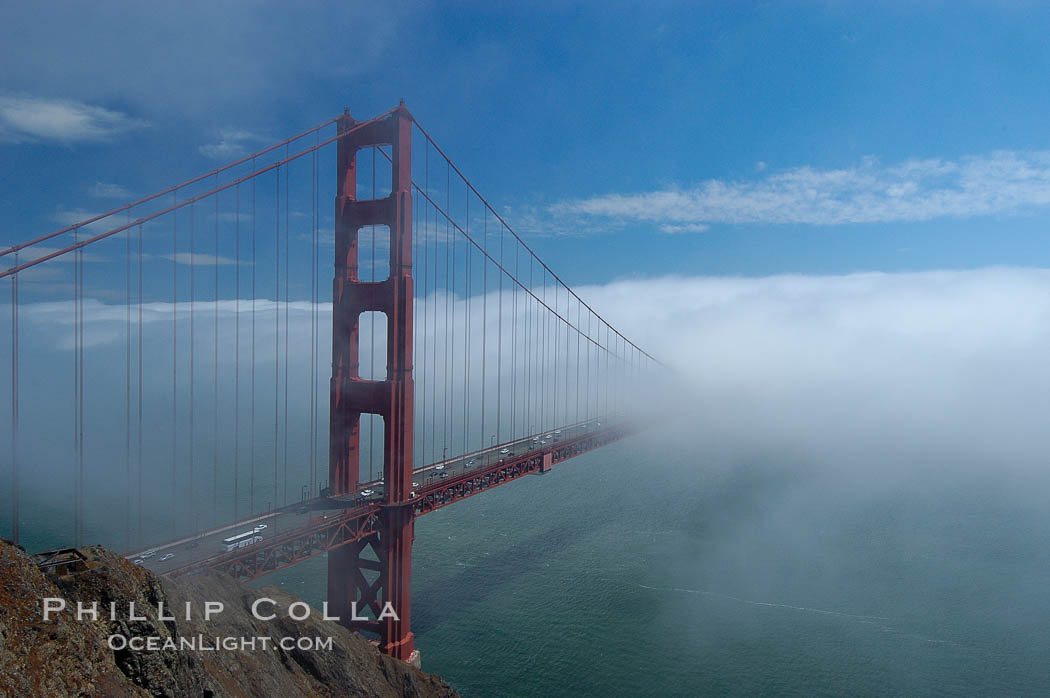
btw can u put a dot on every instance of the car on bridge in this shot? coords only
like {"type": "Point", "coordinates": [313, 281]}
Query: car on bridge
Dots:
{"type": "Point", "coordinates": [504, 451]}
{"type": "Point", "coordinates": [470, 462]}
{"type": "Point", "coordinates": [166, 557]}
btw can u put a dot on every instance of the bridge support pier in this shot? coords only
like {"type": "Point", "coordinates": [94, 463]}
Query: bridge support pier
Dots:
{"type": "Point", "coordinates": [375, 573]}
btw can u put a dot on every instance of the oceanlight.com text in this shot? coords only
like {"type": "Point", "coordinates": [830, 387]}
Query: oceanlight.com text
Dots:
{"type": "Point", "coordinates": [200, 643]}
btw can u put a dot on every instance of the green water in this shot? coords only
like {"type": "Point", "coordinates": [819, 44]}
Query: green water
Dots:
{"type": "Point", "coordinates": [644, 569]}
{"type": "Point", "coordinates": [667, 565]}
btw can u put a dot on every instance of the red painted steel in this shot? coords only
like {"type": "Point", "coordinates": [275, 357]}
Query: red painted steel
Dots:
{"type": "Point", "coordinates": [322, 534]}
{"type": "Point", "coordinates": [358, 531]}
{"type": "Point", "coordinates": [392, 398]}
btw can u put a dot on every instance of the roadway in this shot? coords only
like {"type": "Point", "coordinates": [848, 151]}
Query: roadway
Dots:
{"type": "Point", "coordinates": [428, 475]}
{"type": "Point", "coordinates": [196, 548]}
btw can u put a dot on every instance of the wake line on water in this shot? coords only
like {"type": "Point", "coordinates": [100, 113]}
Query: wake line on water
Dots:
{"type": "Point", "coordinates": [704, 592]}
{"type": "Point", "coordinates": [867, 620]}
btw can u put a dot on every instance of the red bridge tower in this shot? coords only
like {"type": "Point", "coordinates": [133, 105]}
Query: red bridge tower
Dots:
{"type": "Point", "coordinates": [390, 553]}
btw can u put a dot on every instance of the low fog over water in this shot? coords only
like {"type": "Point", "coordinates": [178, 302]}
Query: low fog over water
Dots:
{"type": "Point", "coordinates": [847, 496]}
{"type": "Point", "coordinates": [846, 493]}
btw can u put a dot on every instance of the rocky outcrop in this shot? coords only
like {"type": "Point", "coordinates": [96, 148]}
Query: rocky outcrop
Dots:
{"type": "Point", "coordinates": [64, 656]}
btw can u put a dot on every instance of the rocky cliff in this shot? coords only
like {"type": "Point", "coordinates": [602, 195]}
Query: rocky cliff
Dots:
{"type": "Point", "coordinates": [64, 656]}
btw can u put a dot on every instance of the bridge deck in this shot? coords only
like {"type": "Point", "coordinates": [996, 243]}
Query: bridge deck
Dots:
{"type": "Point", "coordinates": [309, 528]}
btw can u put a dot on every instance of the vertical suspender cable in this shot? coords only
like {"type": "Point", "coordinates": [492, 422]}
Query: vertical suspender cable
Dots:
{"type": "Point", "coordinates": [192, 445]}
{"type": "Point", "coordinates": [556, 356]}
{"type": "Point", "coordinates": [313, 319]}
{"type": "Point", "coordinates": [452, 351]}
{"type": "Point", "coordinates": [579, 311]}
{"type": "Point", "coordinates": [287, 260]}
{"type": "Point", "coordinates": [529, 343]}
{"type": "Point", "coordinates": [467, 399]}
{"type": "Point", "coordinates": [499, 346]}
{"type": "Point", "coordinates": [80, 399]}
{"type": "Point", "coordinates": [138, 540]}
{"type": "Point", "coordinates": [276, 324]}
{"type": "Point", "coordinates": [251, 416]}
{"type": "Point", "coordinates": [426, 319]}
{"type": "Point", "coordinates": [568, 304]}
{"type": "Point", "coordinates": [14, 406]}
{"type": "Point", "coordinates": [174, 357]}
{"type": "Point", "coordinates": [434, 354]}
{"type": "Point", "coordinates": [236, 349]}
{"type": "Point", "coordinates": [546, 358]}
{"type": "Point", "coordinates": [374, 425]}
{"type": "Point", "coordinates": [372, 336]}
{"type": "Point", "coordinates": [466, 322]}
{"type": "Point", "coordinates": [215, 376]}
{"type": "Point", "coordinates": [446, 406]}
{"type": "Point", "coordinates": [127, 387]}
{"type": "Point", "coordinates": [76, 389]}
{"type": "Point", "coordinates": [417, 418]}
{"type": "Point", "coordinates": [514, 353]}
{"type": "Point", "coordinates": [484, 321]}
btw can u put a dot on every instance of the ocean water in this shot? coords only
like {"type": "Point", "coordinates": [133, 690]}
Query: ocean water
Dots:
{"type": "Point", "coordinates": [657, 567]}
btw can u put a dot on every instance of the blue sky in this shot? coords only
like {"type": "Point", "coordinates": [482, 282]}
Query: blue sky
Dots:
{"type": "Point", "coordinates": [729, 138]}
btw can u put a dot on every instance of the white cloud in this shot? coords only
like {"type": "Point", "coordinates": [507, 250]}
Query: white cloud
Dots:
{"type": "Point", "coordinates": [919, 365]}
{"type": "Point", "coordinates": [930, 364]}
{"type": "Point", "coordinates": [203, 260]}
{"type": "Point", "coordinates": [25, 118]}
{"type": "Point", "coordinates": [232, 144]}
{"type": "Point", "coordinates": [872, 374]}
{"type": "Point", "coordinates": [869, 192]}
{"type": "Point", "coordinates": [202, 61]}
{"type": "Point", "coordinates": [109, 190]}
{"type": "Point", "coordinates": [673, 229]}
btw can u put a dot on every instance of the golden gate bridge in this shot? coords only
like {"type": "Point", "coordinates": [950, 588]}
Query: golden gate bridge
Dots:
{"type": "Point", "coordinates": [168, 388]}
